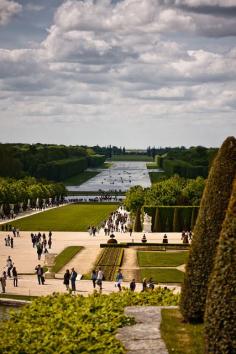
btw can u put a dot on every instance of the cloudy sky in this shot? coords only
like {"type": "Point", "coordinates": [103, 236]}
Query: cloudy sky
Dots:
{"type": "Point", "coordinates": [128, 72]}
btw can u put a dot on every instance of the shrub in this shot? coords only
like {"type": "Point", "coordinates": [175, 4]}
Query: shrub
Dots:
{"type": "Point", "coordinates": [75, 324]}
{"type": "Point", "coordinates": [207, 230]}
{"type": "Point", "coordinates": [220, 316]}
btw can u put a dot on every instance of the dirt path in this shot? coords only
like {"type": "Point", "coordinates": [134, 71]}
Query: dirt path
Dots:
{"type": "Point", "coordinates": [130, 268]}
{"type": "Point", "coordinates": [83, 261]}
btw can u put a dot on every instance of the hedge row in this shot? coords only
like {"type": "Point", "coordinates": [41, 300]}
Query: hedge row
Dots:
{"type": "Point", "coordinates": [172, 218]}
{"type": "Point", "coordinates": [149, 246]}
{"type": "Point", "coordinates": [96, 160]}
{"type": "Point", "coordinates": [183, 169]}
{"type": "Point", "coordinates": [62, 169]}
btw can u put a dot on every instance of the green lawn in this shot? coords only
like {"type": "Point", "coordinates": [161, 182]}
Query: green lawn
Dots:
{"type": "Point", "coordinates": [131, 158]}
{"type": "Point", "coordinates": [180, 337]}
{"type": "Point", "coordinates": [161, 259]}
{"type": "Point", "coordinates": [74, 217]}
{"type": "Point", "coordinates": [162, 275]}
{"type": "Point", "coordinates": [80, 178]}
{"type": "Point", "coordinates": [65, 256]}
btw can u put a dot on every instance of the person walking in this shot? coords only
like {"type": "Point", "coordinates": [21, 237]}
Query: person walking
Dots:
{"type": "Point", "coordinates": [73, 277]}
{"type": "Point", "coordinates": [94, 277]}
{"type": "Point", "coordinates": [67, 279]}
{"type": "Point", "coordinates": [39, 272]}
{"type": "Point", "coordinates": [49, 242]}
{"type": "Point", "coordinates": [132, 285]}
{"type": "Point", "coordinates": [12, 241]}
{"type": "Point", "coordinates": [15, 276]}
{"type": "Point", "coordinates": [39, 250]}
{"type": "Point", "coordinates": [100, 277]}
{"type": "Point", "coordinates": [119, 279]}
{"type": "Point", "coordinates": [3, 281]}
{"type": "Point", "coordinates": [9, 266]}
{"type": "Point", "coordinates": [144, 285]}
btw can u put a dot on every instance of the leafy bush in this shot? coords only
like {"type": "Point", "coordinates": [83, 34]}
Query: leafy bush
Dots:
{"type": "Point", "coordinates": [75, 324]}
{"type": "Point", "coordinates": [207, 231]}
{"type": "Point", "coordinates": [220, 316]}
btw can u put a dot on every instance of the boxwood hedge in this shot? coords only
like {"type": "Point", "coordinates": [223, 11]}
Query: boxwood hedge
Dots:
{"type": "Point", "coordinates": [66, 324]}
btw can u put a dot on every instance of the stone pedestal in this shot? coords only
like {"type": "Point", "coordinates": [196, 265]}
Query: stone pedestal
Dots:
{"type": "Point", "coordinates": [49, 263]}
{"type": "Point", "coordinates": [147, 227]}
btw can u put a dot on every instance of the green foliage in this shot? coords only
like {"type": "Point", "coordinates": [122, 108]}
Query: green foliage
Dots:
{"type": "Point", "coordinates": [161, 259]}
{"type": "Point", "coordinates": [179, 336]}
{"type": "Point", "coordinates": [17, 191]}
{"type": "Point", "coordinates": [96, 160]}
{"type": "Point", "coordinates": [65, 256]}
{"type": "Point", "coordinates": [134, 199]}
{"type": "Point", "coordinates": [207, 231]}
{"type": "Point", "coordinates": [75, 324]}
{"type": "Point", "coordinates": [164, 218]}
{"type": "Point", "coordinates": [156, 176]}
{"type": "Point", "coordinates": [110, 260]}
{"type": "Point", "coordinates": [74, 217]}
{"type": "Point", "coordinates": [220, 316]}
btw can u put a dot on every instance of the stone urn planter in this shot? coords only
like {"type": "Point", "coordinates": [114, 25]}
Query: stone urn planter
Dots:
{"type": "Point", "coordinates": [49, 263]}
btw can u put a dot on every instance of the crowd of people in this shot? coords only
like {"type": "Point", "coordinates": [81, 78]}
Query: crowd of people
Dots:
{"type": "Point", "coordinates": [40, 242]}
{"type": "Point", "coordinates": [9, 273]}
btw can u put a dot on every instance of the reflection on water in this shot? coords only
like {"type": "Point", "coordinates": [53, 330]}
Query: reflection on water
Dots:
{"type": "Point", "coordinates": [5, 311]}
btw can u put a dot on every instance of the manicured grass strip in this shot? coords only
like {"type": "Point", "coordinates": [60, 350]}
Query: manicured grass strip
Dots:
{"type": "Point", "coordinates": [17, 297]}
{"type": "Point", "coordinates": [65, 256]}
{"type": "Point", "coordinates": [74, 217]}
{"type": "Point", "coordinates": [161, 259]}
{"type": "Point", "coordinates": [95, 193]}
{"type": "Point", "coordinates": [180, 337]}
{"type": "Point", "coordinates": [163, 275]}
{"type": "Point", "coordinates": [80, 178]}
{"type": "Point", "coordinates": [131, 158]}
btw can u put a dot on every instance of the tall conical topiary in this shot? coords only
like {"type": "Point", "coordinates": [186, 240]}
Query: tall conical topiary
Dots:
{"type": "Point", "coordinates": [138, 224]}
{"type": "Point", "coordinates": [220, 315]}
{"type": "Point", "coordinates": [207, 231]}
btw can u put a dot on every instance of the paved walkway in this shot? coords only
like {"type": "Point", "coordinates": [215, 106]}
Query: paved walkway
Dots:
{"type": "Point", "coordinates": [145, 335]}
{"type": "Point", "coordinates": [28, 285]}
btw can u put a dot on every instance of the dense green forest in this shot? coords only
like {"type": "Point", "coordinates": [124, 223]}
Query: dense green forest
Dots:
{"type": "Point", "coordinates": [52, 162]}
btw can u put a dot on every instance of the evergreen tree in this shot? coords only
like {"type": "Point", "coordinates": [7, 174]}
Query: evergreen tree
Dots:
{"type": "Point", "coordinates": [220, 315]}
{"type": "Point", "coordinates": [207, 230]}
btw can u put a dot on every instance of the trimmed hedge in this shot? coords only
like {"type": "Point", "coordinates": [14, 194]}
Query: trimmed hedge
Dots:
{"type": "Point", "coordinates": [157, 246]}
{"type": "Point", "coordinates": [183, 168]}
{"type": "Point", "coordinates": [172, 218]}
{"type": "Point", "coordinates": [59, 170]}
{"type": "Point", "coordinates": [220, 315]}
{"type": "Point", "coordinates": [207, 231]}
{"type": "Point", "coordinates": [96, 160]}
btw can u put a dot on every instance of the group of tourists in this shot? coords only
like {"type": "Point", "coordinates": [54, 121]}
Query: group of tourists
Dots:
{"type": "Point", "coordinates": [9, 241]}
{"type": "Point", "coordinates": [146, 285]}
{"type": "Point", "coordinates": [40, 242]}
{"type": "Point", "coordinates": [117, 222]}
{"type": "Point", "coordinates": [186, 236]}
{"type": "Point", "coordinates": [70, 277]}
{"type": "Point", "coordinates": [10, 272]}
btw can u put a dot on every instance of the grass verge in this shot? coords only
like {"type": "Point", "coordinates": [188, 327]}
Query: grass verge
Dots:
{"type": "Point", "coordinates": [180, 337]}
{"type": "Point", "coordinates": [65, 256]}
{"type": "Point", "coordinates": [161, 259]}
{"type": "Point", "coordinates": [162, 275]}
{"type": "Point", "coordinates": [74, 217]}
{"type": "Point", "coordinates": [82, 177]}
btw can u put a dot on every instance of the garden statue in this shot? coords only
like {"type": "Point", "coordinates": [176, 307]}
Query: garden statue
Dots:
{"type": "Point", "coordinates": [147, 223]}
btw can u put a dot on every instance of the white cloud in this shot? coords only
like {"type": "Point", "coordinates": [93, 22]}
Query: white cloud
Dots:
{"type": "Point", "coordinates": [8, 9]}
